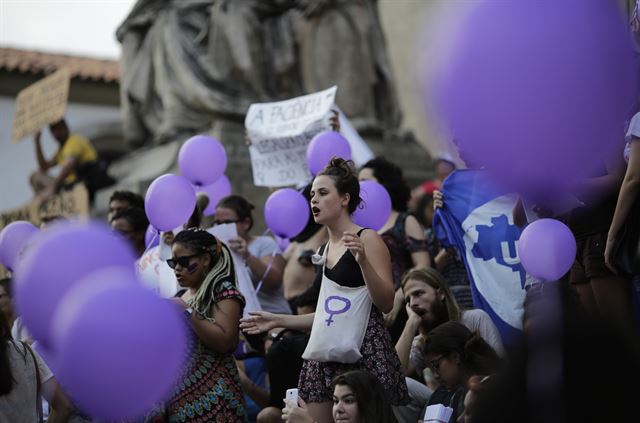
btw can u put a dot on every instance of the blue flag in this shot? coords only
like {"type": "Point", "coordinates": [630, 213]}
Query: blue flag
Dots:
{"type": "Point", "coordinates": [477, 219]}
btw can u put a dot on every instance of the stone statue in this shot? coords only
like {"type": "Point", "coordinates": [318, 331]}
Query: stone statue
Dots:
{"type": "Point", "coordinates": [342, 43]}
{"type": "Point", "coordinates": [188, 63]}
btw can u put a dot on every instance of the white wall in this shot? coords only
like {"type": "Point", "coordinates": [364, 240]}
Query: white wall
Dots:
{"type": "Point", "coordinates": [17, 161]}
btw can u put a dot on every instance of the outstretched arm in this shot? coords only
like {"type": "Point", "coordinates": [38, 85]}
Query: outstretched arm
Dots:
{"type": "Point", "coordinates": [263, 321]}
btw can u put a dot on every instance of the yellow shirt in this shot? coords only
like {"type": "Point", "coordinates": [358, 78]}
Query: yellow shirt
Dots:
{"type": "Point", "coordinates": [79, 148]}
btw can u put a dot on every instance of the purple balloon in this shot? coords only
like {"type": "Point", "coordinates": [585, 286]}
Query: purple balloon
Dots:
{"type": "Point", "coordinates": [286, 212]}
{"type": "Point", "coordinates": [202, 160]}
{"type": "Point", "coordinates": [54, 265]}
{"type": "Point", "coordinates": [13, 239]}
{"type": "Point", "coordinates": [119, 348]}
{"type": "Point", "coordinates": [216, 192]}
{"type": "Point", "coordinates": [323, 147]}
{"type": "Point", "coordinates": [538, 91]}
{"type": "Point", "coordinates": [547, 249]}
{"type": "Point", "coordinates": [170, 202]}
{"type": "Point", "coordinates": [151, 237]}
{"type": "Point", "coordinates": [375, 208]}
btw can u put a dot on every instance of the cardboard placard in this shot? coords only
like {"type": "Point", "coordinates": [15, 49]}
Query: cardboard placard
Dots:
{"type": "Point", "coordinates": [41, 103]}
{"type": "Point", "coordinates": [280, 133]}
{"type": "Point", "coordinates": [73, 203]}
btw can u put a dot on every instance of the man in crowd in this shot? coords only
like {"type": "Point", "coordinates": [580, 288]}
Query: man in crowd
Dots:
{"type": "Point", "coordinates": [77, 160]}
{"type": "Point", "coordinates": [131, 223]}
{"type": "Point", "coordinates": [121, 200]}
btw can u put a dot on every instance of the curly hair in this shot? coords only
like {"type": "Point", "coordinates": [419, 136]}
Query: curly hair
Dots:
{"type": "Point", "coordinates": [222, 269]}
{"type": "Point", "coordinates": [344, 176]}
{"type": "Point", "coordinates": [390, 177]}
{"type": "Point", "coordinates": [129, 197]}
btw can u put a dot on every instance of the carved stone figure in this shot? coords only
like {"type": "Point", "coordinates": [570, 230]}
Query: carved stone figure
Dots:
{"type": "Point", "coordinates": [188, 63]}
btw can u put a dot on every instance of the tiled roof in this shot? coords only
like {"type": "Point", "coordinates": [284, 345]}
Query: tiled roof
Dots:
{"type": "Point", "coordinates": [35, 62]}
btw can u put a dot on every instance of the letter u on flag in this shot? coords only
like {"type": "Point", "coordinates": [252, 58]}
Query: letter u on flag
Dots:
{"type": "Point", "coordinates": [477, 219]}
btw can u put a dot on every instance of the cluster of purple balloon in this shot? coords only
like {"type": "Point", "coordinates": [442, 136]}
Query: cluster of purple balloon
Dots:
{"type": "Point", "coordinates": [538, 93]}
{"type": "Point", "coordinates": [171, 199]}
{"type": "Point", "coordinates": [286, 211]}
{"type": "Point", "coordinates": [541, 103]}
{"type": "Point", "coordinates": [114, 346]}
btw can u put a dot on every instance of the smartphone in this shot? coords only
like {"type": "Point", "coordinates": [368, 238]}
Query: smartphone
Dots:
{"type": "Point", "coordinates": [292, 396]}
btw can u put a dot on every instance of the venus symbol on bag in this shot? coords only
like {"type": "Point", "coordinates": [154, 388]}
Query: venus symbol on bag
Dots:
{"type": "Point", "coordinates": [331, 313]}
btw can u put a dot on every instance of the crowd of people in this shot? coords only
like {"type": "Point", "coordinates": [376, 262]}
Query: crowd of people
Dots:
{"type": "Point", "coordinates": [410, 337]}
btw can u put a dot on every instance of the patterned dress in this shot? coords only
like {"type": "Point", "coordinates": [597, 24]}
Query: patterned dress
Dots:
{"type": "Point", "coordinates": [209, 388]}
{"type": "Point", "coordinates": [378, 353]}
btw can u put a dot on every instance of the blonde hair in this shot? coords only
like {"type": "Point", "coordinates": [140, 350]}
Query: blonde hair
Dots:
{"type": "Point", "coordinates": [435, 280]}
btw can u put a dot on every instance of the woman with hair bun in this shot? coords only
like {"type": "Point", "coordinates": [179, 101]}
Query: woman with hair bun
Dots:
{"type": "Point", "coordinates": [354, 259]}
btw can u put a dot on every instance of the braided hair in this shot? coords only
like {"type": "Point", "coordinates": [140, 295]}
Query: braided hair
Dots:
{"type": "Point", "coordinates": [201, 241]}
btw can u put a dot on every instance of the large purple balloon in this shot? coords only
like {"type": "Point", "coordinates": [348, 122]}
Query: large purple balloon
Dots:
{"type": "Point", "coordinates": [375, 208]}
{"type": "Point", "coordinates": [13, 239]}
{"type": "Point", "coordinates": [202, 160]}
{"type": "Point", "coordinates": [538, 91]}
{"type": "Point", "coordinates": [54, 264]}
{"type": "Point", "coordinates": [119, 348]}
{"type": "Point", "coordinates": [286, 212]}
{"type": "Point", "coordinates": [547, 249]}
{"type": "Point", "coordinates": [323, 147]}
{"type": "Point", "coordinates": [216, 192]}
{"type": "Point", "coordinates": [169, 202]}
{"type": "Point", "coordinates": [151, 237]}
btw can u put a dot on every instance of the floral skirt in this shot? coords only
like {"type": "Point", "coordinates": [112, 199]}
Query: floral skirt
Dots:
{"type": "Point", "coordinates": [379, 358]}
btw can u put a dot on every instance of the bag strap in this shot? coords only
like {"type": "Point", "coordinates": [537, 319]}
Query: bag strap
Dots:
{"type": "Point", "coordinates": [38, 383]}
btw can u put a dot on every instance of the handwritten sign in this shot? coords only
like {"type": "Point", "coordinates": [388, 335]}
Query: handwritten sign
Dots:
{"type": "Point", "coordinates": [67, 204]}
{"type": "Point", "coordinates": [280, 133]}
{"type": "Point", "coordinates": [156, 274]}
{"type": "Point", "coordinates": [41, 103]}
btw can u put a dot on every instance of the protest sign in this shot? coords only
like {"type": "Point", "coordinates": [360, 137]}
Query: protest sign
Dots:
{"type": "Point", "coordinates": [156, 274]}
{"type": "Point", "coordinates": [72, 203]}
{"type": "Point", "coordinates": [280, 133]}
{"type": "Point", "coordinates": [41, 103]}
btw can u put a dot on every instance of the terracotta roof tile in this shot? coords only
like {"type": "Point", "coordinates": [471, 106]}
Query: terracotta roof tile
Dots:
{"type": "Point", "coordinates": [34, 62]}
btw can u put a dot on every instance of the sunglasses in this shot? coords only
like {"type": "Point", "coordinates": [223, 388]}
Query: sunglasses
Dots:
{"type": "Point", "coordinates": [183, 261]}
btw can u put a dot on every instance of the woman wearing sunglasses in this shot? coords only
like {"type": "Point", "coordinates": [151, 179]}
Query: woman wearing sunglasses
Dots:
{"type": "Point", "coordinates": [455, 354]}
{"type": "Point", "coordinates": [260, 253]}
{"type": "Point", "coordinates": [210, 387]}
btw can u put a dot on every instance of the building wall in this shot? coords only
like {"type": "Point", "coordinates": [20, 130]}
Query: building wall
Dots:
{"type": "Point", "coordinates": [402, 21]}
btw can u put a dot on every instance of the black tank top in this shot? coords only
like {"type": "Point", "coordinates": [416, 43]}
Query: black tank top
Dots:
{"type": "Point", "coordinates": [346, 271]}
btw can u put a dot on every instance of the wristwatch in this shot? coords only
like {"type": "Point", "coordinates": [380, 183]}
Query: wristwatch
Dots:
{"type": "Point", "coordinates": [189, 311]}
